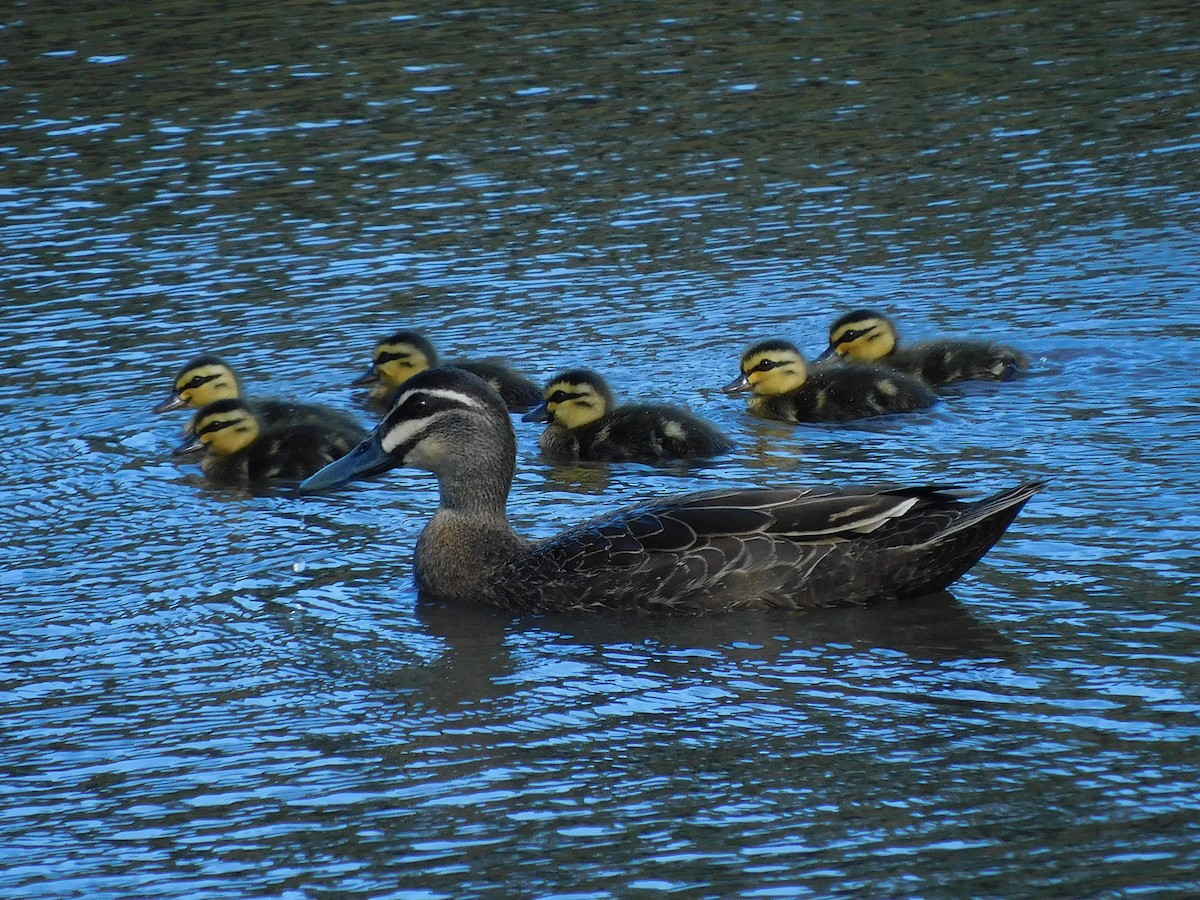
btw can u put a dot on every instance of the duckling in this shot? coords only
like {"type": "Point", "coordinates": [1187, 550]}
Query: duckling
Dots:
{"type": "Point", "coordinates": [724, 549]}
{"type": "Point", "coordinates": [579, 406]}
{"type": "Point", "coordinates": [785, 387]}
{"type": "Point", "coordinates": [402, 355]}
{"type": "Point", "coordinates": [242, 450]}
{"type": "Point", "coordinates": [870, 336]}
{"type": "Point", "coordinates": [207, 378]}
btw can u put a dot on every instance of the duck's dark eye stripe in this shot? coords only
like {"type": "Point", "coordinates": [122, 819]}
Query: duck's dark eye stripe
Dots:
{"type": "Point", "coordinates": [216, 425]}
{"type": "Point", "coordinates": [390, 357]}
{"type": "Point", "coordinates": [854, 334]}
{"type": "Point", "coordinates": [197, 381]}
{"type": "Point", "coordinates": [766, 365]}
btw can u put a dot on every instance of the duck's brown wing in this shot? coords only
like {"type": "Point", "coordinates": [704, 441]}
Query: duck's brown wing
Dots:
{"type": "Point", "coordinates": [763, 547]}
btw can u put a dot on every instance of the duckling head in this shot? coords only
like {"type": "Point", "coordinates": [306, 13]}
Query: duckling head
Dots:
{"type": "Point", "coordinates": [447, 421]}
{"type": "Point", "coordinates": [202, 381]}
{"type": "Point", "coordinates": [573, 399]}
{"type": "Point", "coordinates": [224, 427]}
{"type": "Point", "coordinates": [770, 368]}
{"type": "Point", "coordinates": [396, 359]}
{"type": "Point", "coordinates": [863, 334]}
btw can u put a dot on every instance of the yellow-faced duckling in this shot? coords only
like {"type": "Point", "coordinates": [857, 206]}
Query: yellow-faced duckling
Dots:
{"type": "Point", "coordinates": [242, 449]}
{"type": "Point", "coordinates": [784, 387]}
{"type": "Point", "coordinates": [404, 354]}
{"type": "Point", "coordinates": [726, 549]}
{"type": "Point", "coordinates": [585, 423]}
{"type": "Point", "coordinates": [207, 379]}
{"type": "Point", "coordinates": [869, 336]}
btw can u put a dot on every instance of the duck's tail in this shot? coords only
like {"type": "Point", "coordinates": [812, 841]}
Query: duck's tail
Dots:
{"type": "Point", "coordinates": [944, 557]}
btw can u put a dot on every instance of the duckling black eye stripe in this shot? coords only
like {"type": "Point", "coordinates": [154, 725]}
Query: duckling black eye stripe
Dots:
{"type": "Point", "coordinates": [216, 425]}
{"type": "Point", "coordinates": [390, 357]}
{"type": "Point", "coordinates": [199, 380]}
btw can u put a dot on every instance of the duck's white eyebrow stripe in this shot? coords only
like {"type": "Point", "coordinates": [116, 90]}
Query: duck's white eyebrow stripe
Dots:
{"type": "Point", "coordinates": [441, 393]}
{"type": "Point", "coordinates": [402, 433]}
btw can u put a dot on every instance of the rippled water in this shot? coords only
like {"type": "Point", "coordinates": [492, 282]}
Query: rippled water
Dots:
{"type": "Point", "coordinates": [207, 693]}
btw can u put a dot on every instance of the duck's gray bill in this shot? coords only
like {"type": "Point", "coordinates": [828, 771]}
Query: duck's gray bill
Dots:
{"type": "Point", "coordinates": [368, 377]}
{"type": "Point", "coordinates": [739, 384]}
{"type": "Point", "coordinates": [368, 458]}
{"type": "Point", "coordinates": [190, 445]}
{"type": "Point", "coordinates": [172, 402]}
{"type": "Point", "coordinates": [537, 414]}
{"type": "Point", "coordinates": [830, 351]}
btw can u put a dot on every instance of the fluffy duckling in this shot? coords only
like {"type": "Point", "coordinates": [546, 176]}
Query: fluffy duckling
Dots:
{"type": "Point", "coordinates": [242, 449]}
{"type": "Point", "coordinates": [207, 379]}
{"type": "Point", "coordinates": [402, 355]}
{"type": "Point", "coordinates": [585, 423]}
{"type": "Point", "coordinates": [785, 388]}
{"type": "Point", "coordinates": [869, 336]}
{"type": "Point", "coordinates": [724, 549]}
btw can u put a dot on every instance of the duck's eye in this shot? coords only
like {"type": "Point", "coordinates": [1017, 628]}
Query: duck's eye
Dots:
{"type": "Point", "coordinates": [558, 397]}
{"type": "Point", "coordinates": [766, 365]}
{"type": "Point", "coordinates": [419, 404]}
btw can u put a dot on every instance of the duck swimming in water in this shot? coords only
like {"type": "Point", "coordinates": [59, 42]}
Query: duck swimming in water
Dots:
{"type": "Point", "coordinates": [243, 450]}
{"type": "Point", "coordinates": [206, 379]}
{"type": "Point", "coordinates": [404, 354]}
{"type": "Point", "coordinates": [867, 335]}
{"type": "Point", "coordinates": [586, 423]}
{"type": "Point", "coordinates": [785, 388]}
{"type": "Point", "coordinates": [723, 549]}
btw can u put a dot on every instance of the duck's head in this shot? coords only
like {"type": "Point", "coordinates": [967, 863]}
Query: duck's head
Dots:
{"type": "Point", "coordinates": [863, 334]}
{"type": "Point", "coordinates": [445, 420]}
{"type": "Point", "coordinates": [396, 359]}
{"type": "Point", "coordinates": [202, 381]}
{"type": "Point", "coordinates": [770, 368]}
{"type": "Point", "coordinates": [573, 399]}
{"type": "Point", "coordinates": [223, 428]}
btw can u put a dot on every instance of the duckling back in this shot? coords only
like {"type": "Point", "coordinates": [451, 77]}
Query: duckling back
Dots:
{"type": "Point", "coordinates": [646, 432]}
{"type": "Point", "coordinates": [518, 392]}
{"type": "Point", "coordinates": [868, 335]}
{"type": "Point", "coordinates": [844, 392]}
{"type": "Point", "coordinates": [943, 362]}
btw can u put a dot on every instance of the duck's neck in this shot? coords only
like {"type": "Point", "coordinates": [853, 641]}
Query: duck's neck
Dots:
{"type": "Point", "coordinates": [477, 488]}
{"type": "Point", "coordinates": [469, 540]}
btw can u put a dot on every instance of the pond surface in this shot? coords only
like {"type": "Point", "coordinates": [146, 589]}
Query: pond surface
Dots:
{"type": "Point", "coordinates": [209, 693]}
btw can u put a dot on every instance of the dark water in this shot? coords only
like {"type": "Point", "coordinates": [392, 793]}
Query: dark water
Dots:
{"type": "Point", "coordinates": [211, 694]}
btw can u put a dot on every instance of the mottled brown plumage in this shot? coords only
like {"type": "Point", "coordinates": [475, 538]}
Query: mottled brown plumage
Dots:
{"type": "Point", "coordinates": [714, 550]}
